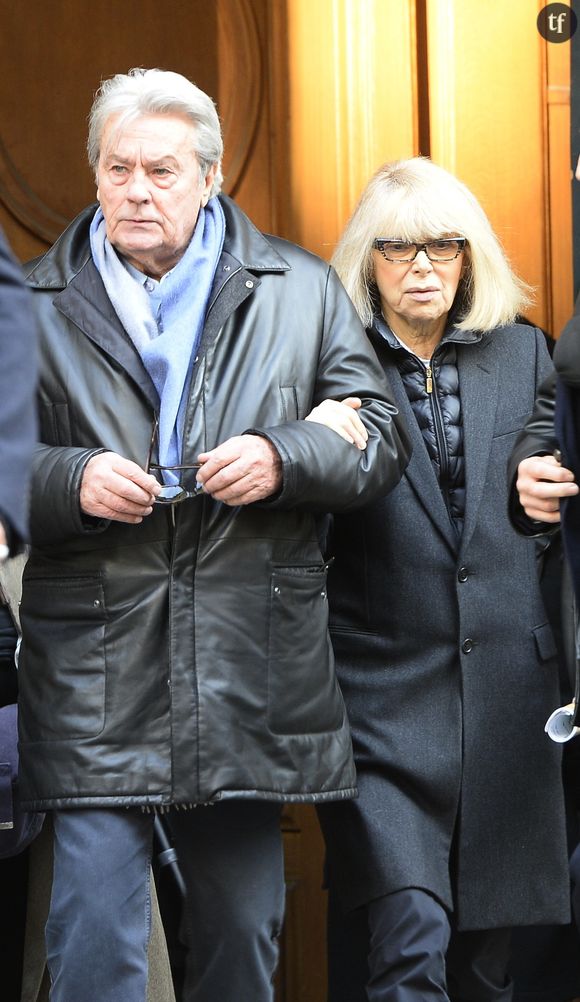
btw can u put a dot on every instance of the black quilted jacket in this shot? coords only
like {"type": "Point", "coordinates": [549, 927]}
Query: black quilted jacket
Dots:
{"type": "Point", "coordinates": [434, 394]}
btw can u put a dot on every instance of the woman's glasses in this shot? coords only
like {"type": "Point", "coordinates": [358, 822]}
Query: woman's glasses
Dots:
{"type": "Point", "coordinates": [401, 251]}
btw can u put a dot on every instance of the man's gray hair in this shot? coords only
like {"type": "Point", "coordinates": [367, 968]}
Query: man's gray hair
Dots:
{"type": "Point", "coordinates": [158, 92]}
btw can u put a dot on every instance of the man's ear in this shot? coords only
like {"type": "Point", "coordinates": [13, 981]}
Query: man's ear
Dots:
{"type": "Point", "coordinates": [208, 184]}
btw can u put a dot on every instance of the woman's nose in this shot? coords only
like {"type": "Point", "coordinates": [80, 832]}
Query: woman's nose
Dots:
{"type": "Point", "coordinates": [422, 262]}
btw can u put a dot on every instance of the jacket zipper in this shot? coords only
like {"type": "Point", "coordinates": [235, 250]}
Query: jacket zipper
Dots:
{"type": "Point", "coordinates": [431, 388]}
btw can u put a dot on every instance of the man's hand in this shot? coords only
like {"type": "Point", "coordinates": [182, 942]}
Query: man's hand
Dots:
{"type": "Point", "coordinates": [341, 416]}
{"type": "Point", "coordinates": [116, 488]}
{"type": "Point", "coordinates": [541, 482]}
{"type": "Point", "coordinates": [241, 470]}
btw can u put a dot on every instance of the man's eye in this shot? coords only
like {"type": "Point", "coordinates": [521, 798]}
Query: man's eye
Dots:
{"type": "Point", "coordinates": [161, 171]}
{"type": "Point", "coordinates": [118, 169]}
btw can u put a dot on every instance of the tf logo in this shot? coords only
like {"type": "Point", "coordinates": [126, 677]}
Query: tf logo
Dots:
{"type": "Point", "coordinates": [557, 22]}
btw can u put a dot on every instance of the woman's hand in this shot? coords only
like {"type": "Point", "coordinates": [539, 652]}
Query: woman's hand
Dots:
{"type": "Point", "coordinates": [341, 416]}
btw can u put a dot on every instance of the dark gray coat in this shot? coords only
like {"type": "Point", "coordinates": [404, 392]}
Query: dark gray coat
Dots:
{"type": "Point", "coordinates": [18, 371]}
{"type": "Point", "coordinates": [187, 659]}
{"type": "Point", "coordinates": [447, 667]}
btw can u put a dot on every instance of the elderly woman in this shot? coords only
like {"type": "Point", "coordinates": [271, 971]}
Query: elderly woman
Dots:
{"type": "Point", "coordinates": [444, 654]}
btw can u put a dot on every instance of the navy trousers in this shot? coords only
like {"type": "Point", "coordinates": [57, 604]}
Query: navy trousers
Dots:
{"type": "Point", "coordinates": [99, 922]}
{"type": "Point", "coordinates": [402, 948]}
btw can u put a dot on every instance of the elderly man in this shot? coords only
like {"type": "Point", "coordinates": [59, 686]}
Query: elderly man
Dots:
{"type": "Point", "coordinates": [176, 655]}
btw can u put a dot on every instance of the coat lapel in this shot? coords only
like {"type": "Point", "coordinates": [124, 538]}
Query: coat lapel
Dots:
{"type": "Point", "coordinates": [420, 472]}
{"type": "Point", "coordinates": [85, 302]}
{"type": "Point", "coordinates": [478, 379]}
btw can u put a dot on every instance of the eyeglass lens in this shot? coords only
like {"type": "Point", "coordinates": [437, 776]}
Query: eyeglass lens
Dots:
{"type": "Point", "coordinates": [174, 493]}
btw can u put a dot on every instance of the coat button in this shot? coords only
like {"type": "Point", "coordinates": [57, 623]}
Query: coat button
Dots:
{"type": "Point", "coordinates": [249, 285]}
{"type": "Point", "coordinates": [462, 574]}
{"type": "Point", "coordinates": [467, 646]}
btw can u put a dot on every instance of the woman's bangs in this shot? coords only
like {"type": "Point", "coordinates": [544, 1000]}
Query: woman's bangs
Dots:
{"type": "Point", "coordinates": [414, 219]}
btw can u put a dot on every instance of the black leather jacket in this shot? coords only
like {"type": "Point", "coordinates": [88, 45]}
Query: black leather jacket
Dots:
{"type": "Point", "coordinates": [537, 438]}
{"type": "Point", "coordinates": [186, 659]}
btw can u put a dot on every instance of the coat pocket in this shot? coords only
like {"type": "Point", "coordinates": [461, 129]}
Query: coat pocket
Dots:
{"type": "Point", "coordinates": [303, 695]}
{"type": "Point", "coordinates": [54, 420]}
{"type": "Point", "coordinates": [62, 677]}
{"type": "Point", "coordinates": [509, 424]}
{"type": "Point", "coordinates": [545, 643]}
{"type": "Point", "coordinates": [289, 399]}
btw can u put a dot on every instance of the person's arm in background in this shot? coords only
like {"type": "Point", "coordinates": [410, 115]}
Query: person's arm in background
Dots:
{"type": "Point", "coordinates": [18, 374]}
{"type": "Point", "coordinates": [536, 477]}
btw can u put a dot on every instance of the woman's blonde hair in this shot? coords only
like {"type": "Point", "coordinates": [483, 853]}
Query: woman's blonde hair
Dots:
{"type": "Point", "coordinates": [417, 200]}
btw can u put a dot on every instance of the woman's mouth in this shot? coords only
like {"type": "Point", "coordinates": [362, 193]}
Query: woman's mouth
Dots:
{"type": "Point", "coordinates": [423, 295]}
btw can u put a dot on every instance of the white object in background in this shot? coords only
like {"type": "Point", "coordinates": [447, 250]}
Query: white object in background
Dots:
{"type": "Point", "coordinates": [559, 724]}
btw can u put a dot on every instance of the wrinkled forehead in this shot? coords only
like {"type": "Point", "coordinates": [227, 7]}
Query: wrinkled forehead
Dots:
{"type": "Point", "coordinates": [150, 137]}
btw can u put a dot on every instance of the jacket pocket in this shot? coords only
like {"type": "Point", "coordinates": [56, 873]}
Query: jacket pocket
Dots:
{"type": "Point", "coordinates": [303, 695]}
{"type": "Point", "coordinates": [54, 422]}
{"type": "Point", "coordinates": [509, 424]}
{"type": "Point", "coordinates": [289, 399]}
{"type": "Point", "coordinates": [545, 643]}
{"type": "Point", "coordinates": [63, 657]}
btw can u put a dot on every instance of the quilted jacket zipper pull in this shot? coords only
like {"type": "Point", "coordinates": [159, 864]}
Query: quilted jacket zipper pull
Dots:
{"type": "Point", "coordinates": [429, 379]}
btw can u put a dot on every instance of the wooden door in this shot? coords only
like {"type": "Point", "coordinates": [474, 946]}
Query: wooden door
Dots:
{"type": "Point", "coordinates": [53, 58]}
{"type": "Point", "coordinates": [314, 95]}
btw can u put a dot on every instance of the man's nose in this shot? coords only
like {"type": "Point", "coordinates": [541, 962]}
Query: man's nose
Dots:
{"type": "Point", "coordinates": [138, 190]}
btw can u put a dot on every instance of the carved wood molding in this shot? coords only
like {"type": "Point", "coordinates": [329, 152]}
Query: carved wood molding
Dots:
{"type": "Point", "coordinates": [24, 204]}
{"type": "Point", "coordinates": [240, 85]}
{"type": "Point", "coordinates": [237, 66]}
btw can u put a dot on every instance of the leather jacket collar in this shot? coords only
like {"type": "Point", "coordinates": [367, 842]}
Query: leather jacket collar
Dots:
{"type": "Point", "coordinates": [60, 264]}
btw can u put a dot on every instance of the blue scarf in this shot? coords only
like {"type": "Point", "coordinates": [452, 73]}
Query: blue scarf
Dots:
{"type": "Point", "coordinates": [168, 355]}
